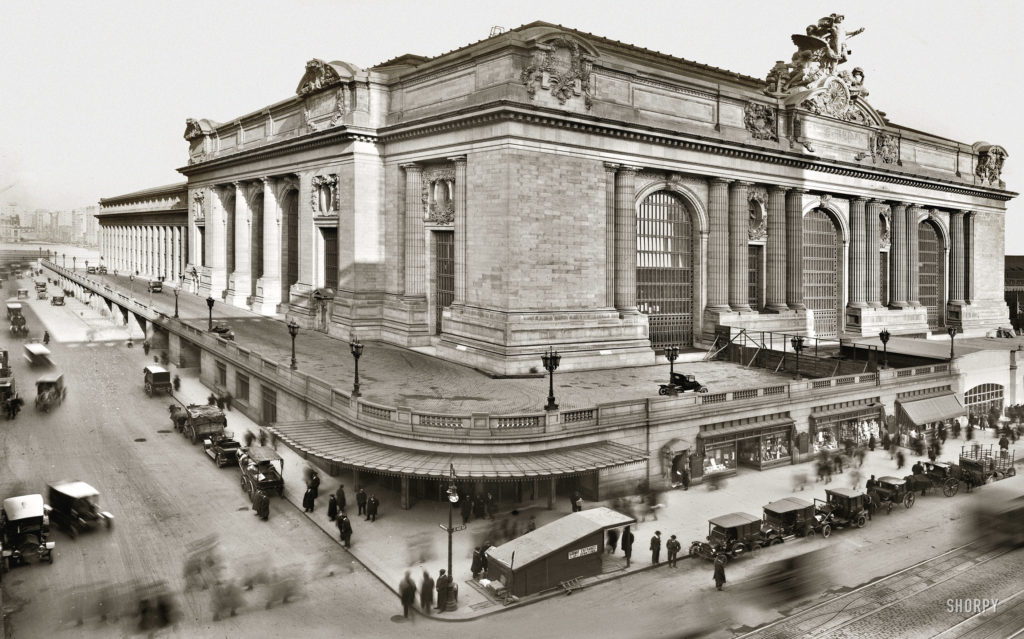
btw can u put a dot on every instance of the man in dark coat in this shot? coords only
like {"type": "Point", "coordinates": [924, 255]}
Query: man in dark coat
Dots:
{"type": "Point", "coordinates": [371, 508]}
{"type": "Point", "coordinates": [656, 547]}
{"type": "Point", "coordinates": [627, 544]}
{"type": "Point", "coordinates": [339, 495]}
{"type": "Point", "coordinates": [443, 582]}
{"type": "Point", "coordinates": [719, 572]}
{"type": "Point", "coordinates": [673, 547]}
{"type": "Point", "coordinates": [427, 593]}
{"type": "Point", "coordinates": [261, 504]}
{"type": "Point", "coordinates": [332, 508]}
{"type": "Point", "coordinates": [407, 591]}
{"type": "Point", "coordinates": [479, 507]}
{"type": "Point", "coordinates": [307, 500]}
{"type": "Point", "coordinates": [483, 556]}
{"type": "Point", "coordinates": [314, 483]}
{"type": "Point", "coordinates": [477, 565]}
{"type": "Point", "coordinates": [466, 508]}
{"type": "Point", "coordinates": [613, 540]}
{"type": "Point", "coordinates": [345, 529]}
{"type": "Point", "coordinates": [361, 501]}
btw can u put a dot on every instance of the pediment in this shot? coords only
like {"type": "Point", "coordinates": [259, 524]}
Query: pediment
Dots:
{"type": "Point", "coordinates": [320, 75]}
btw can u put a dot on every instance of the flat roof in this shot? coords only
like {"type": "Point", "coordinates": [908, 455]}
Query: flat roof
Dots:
{"type": "Point", "coordinates": [734, 519]}
{"type": "Point", "coordinates": [560, 533]}
{"type": "Point", "coordinates": [788, 504]}
{"type": "Point", "coordinates": [23, 507]}
{"type": "Point", "coordinates": [75, 489]}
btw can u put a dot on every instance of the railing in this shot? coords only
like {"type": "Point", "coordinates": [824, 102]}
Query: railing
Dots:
{"type": "Point", "coordinates": [386, 417]}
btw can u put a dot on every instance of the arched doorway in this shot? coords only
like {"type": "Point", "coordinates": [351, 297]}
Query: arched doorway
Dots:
{"type": "Point", "coordinates": [930, 272]}
{"type": "Point", "coordinates": [664, 269]}
{"type": "Point", "coordinates": [981, 399]}
{"type": "Point", "coordinates": [821, 272]}
{"type": "Point", "coordinates": [289, 243]}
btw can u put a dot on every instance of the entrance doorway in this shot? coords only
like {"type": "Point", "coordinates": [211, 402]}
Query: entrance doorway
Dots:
{"type": "Point", "coordinates": [821, 278]}
{"type": "Point", "coordinates": [290, 264]}
{"type": "Point", "coordinates": [930, 273]}
{"type": "Point", "coordinates": [444, 270]}
{"type": "Point", "coordinates": [664, 269]}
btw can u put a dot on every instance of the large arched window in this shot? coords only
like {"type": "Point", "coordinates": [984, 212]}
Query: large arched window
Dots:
{"type": "Point", "coordinates": [931, 272]}
{"type": "Point", "coordinates": [982, 398]}
{"type": "Point", "coordinates": [821, 272]}
{"type": "Point", "coordinates": [664, 269]}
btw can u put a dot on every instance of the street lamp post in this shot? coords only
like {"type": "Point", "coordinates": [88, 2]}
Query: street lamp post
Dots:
{"type": "Point", "coordinates": [176, 292]}
{"type": "Point", "coordinates": [884, 336]}
{"type": "Point", "coordinates": [293, 330]}
{"type": "Point", "coordinates": [209, 305]}
{"type": "Point", "coordinates": [672, 354]}
{"type": "Point", "coordinates": [64, 260]}
{"type": "Point", "coordinates": [131, 280]}
{"type": "Point", "coordinates": [450, 603]}
{"type": "Point", "coordinates": [798, 345]}
{"type": "Point", "coordinates": [74, 263]}
{"type": "Point", "coordinates": [357, 350]}
{"type": "Point", "coordinates": [551, 361]}
{"type": "Point", "coordinates": [952, 331]}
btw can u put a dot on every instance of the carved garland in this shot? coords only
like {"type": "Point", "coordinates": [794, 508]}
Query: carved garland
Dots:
{"type": "Point", "coordinates": [437, 182]}
{"type": "Point", "coordinates": [198, 198]}
{"type": "Point", "coordinates": [761, 121]}
{"type": "Point", "coordinates": [565, 78]}
{"type": "Point", "coordinates": [757, 202]}
{"type": "Point", "coordinates": [323, 195]}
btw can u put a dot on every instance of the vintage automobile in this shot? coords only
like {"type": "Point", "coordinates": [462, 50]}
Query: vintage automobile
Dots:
{"type": "Point", "coordinates": [680, 384]}
{"type": "Point", "coordinates": [223, 331]}
{"type": "Point", "coordinates": [41, 295]}
{"type": "Point", "coordinates": [222, 448]}
{"type": "Point", "coordinates": [19, 326]}
{"type": "Point", "coordinates": [5, 364]}
{"type": "Point", "coordinates": [730, 536]}
{"type": "Point", "coordinates": [22, 293]}
{"type": "Point", "coordinates": [262, 468]}
{"type": "Point", "coordinates": [201, 420]}
{"type": "Point", "coordinates": [37, 355]}
{"type": "Point", "coordinates": [74, 507]}
{"type": "Point", "coordinates": [91, 270]}
{"type": "Point", "coordinates": [936, 475]}
{"type": "Point", "coordinates": [57, 300]}
{"type": "Point", "coordinates": [842, 507]}
{"type": "Point", "coordinates": [892, 491]}
{"type": "Point", "coordinates": [156, 379]}
{"type": "Point", "coordinates": [999, 518]}
{"type": "Point", "coordinates": [101, 270]}
{"type": "Point", "coordinates": [25, 528]}
{"type": "Point", "coordinates": [40, 286]}
{"type": "Point", "coordinates": [155, 286]}
{"type": "Point", "coordinates": [788, 518]}
{"type": "Point", "coordinates": [50, 391]}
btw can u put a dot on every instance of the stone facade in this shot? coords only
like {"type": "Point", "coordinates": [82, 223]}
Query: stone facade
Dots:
{"type": "Point", "coordinates": [145, 234]}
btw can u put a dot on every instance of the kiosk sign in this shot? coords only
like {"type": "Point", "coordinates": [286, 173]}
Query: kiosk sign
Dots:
{"type": "Point", "coordinates": [583, 552]}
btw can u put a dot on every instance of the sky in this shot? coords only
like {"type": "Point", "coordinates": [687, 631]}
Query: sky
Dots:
{"type": "Point", "coordinates": [94, 95]}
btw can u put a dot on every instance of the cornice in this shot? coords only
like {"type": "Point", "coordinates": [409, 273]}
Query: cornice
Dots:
{"type": "Point", "coordinates": [514, 111]}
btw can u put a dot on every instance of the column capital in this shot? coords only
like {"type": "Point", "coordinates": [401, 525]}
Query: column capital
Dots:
{"type": "Point", "coordinates": [798, 190]}
{"type": "Point", "coordinates": [720, 180]}
{"type": "Point", "coordinates": [611, 166]}
{"type": "Point", "coordinates": [900, 203]}
{"type": "Point", "coordinates": [741, 183]}
{"type": "Point", "coordinates": [860, 198]}
{"type": "Point", "coordinates": [267, 180]}
{"type": "Point", "coordinates": [457, 159]}
{"type": "Point", "coordinates": [411, 166]}
{"type": "Point", "coordinates": [775, 188]}
{"type": "Point", "coordinates": [629, 168]}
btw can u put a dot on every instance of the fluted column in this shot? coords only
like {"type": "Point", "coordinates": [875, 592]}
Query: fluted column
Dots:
{"type": "Point", "coordinates": [609, 232]}
{"type": "Point", "coordinates": [718, 245]}
{"type": "Point", "coordinates": [625, 239]}
{"type": "Point", "coordinates": [795, 249]}
{"type": "Point", "coordinates": [899, 275]}
{"type": "Point", "coordinates": [872, 233]}
{"type": "Point", "coordinates": [460, 229]}
{"type": "Point", "coordinates": [415, 254]}
{"type": "Point", "coordinates": [739, 223]}
{"type": "Point", "coordinates": [913, 237]}
{"type": "Point", "coordinates": [241, 279]}
{"type": "Point", "coordinates": [956, 257]}
{"type": "Point", "coordinates": [775, 296]}
{"type": "Point", "coordinates": [216, 224]}
{"type": "Point", "coordinates": [268, 287]}
{"type": "Point", "coordinates": [858, 257]}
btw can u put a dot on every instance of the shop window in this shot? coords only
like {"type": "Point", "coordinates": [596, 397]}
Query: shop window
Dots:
{"type": "Point", "coordinates": [765, 451]}
{"type": "Point", "coordinates": [719, 458]}
{"type": "Point", "coordinates": [825, 439]}
{"type": "Point", "coordinates": [242, 387]}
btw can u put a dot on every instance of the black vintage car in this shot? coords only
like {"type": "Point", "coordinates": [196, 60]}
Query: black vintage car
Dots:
{"type": "Point", "coordinates": [842, 507]}
{"type": "Point", "coordinates": [222, 448]}
{"type": "Point", "coordinates": [680, 384]}
{"type": "Point", "coordinates": [25, 528]}
{"type": "Point", "coordinates": [892, 491]}
{"type": "Point", "coordinates": [74, 507]}
{"type": "Point", "coordinates": [262, 468]}
{"type": "Point", "coordinates": [788, 518]}
{"type": "Point", "coordinates": [730, 536]}
{"type": "Point", "coordinates": [156, 379]}
{"type": "Point", "coordinates": [223, 331]}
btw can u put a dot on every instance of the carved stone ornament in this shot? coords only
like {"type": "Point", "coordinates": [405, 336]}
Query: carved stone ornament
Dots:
{"type": "Point", "coordinates": [198, 197]}
{"type": "Point", "coordinates": [318, 75]}
{"type": "Point", "coordinates": [439, 195]}
{"type": "Point", "coordinates": [323, 196]}
{"type": "Point", "coordinates": [341, 105]}
{"type": "Point", "coordinates": [308, 118]}
{"type": "Point", "coordinates": [560, 66]}
{"type": "Point", "coordinates": [824, 199]}
{"type": "Point", "coordinates": [757, 200]}
{"type": "Point", "coordinates": [885, 147]}
{"type": "Point", "coordinates": [761, 121]}
{"type": "Point", "coordinates": [193, 129]}
{"type": "Point", "coordinates": [990, 164]}
{"type": "Point", "coordinates": [883, 233]}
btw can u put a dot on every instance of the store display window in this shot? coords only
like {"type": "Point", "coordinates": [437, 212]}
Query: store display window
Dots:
{"type": "Point", "coordinates": [775, 447]}
{"type": "Point", "coordinates": [825, 439]}
{"type": "Point", "coordinates": [719, 458]}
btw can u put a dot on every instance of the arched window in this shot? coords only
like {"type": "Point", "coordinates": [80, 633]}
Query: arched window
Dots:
{"type": "Point", "coordinates": [821, 272]}
{"type": "Point", "coordinates": [982, 398]}
{"type": "Point", "coordinates": [664, 269]}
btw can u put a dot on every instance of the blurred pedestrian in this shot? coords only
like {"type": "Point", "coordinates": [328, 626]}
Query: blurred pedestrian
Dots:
{"type": "Point", "coordinates": [656, 548]}
{"type": "Point", "coordinates": [799, 480]}
{"type": "Point", "coordinates": [887, 443]}
{"type": "Point", "coordinates": [492, 506]}
{"type": "Point", "coordinates": [332, 508]}
{"type": "Point", "coordinates": [407, 591]}
{"type": "Point", "coordinates": [227, 400]}
{"type": "Point", "coordinates": [672, 546]}
{"type": "Point", "coordinates": [626, 541]}
{"type": "Point", "coordinates": [307, 500]}
{"type": "Point", "coordinates": [719, 571]}
{"type": "Point", "coordinates": [427, 593]}
{"type": "Point", "coordinates": [442, 585]}
{"type": "Point", "coordinates": [838, 461]}
{"type": "Point", "coordinates": [686, 478]}
{"type": "Point", "coordinates": [361, 501]}
{"type": "Point", "coordinates": [613, 540]}
{"type": "Point", "coordinates": [477, 566]}
{"type": "Point", "coordinates": [855, 478]}
{"type": "Point", "coordinates": [345, 529]}
{"type": "Point", "coordinates": [1004, 446]}
{"type": "Point", "coordinates": [466, 508]}
{"type": "Point", "coordinates": [339, 495]}
{"type": "Point", "coordinates": [871, 443]}
{"type": "Point", "coordinates": [900, 460]}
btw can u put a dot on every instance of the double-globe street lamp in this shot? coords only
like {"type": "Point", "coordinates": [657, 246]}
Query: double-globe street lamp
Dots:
{"type": "Point", "coordinates": [450, 603]}
{"type": "Point", "coordinates": [884, 336]}
{"type": "Point", "coordinates": [293, 330]}
{"type": "Point", "coordinates": [672, 354]}
{"type": "Point", "coordinates": [209, 305]}
{"type": "Point", "coordinates": [798, 345]}
{"type": "Point", "coordinates": [551, 360]}
{"type": "Point", "coordinates": [953, 331]}
{"type": "Point", "coordinates": [357, 350]}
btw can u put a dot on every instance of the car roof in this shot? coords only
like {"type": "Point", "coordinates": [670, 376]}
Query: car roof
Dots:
{"type": "Point", "coordinates": [153, 368]}
{"type": "Point", "coordinates": [892, 480]}
{"type": "Point", "coordinates": [15, 304]}
{"type": "Point", "coordinates": [262, 453]}
{"type": "Point", "coordinates": [734, 519]}
{"type": "Point", "coordinates": [23, 507]}
{"type": "Point", "coordinates": [37, 349]}
{"type": "Point", "coordinates": [50, 378]}
{"type": "Point", "coordinates": [75, 489]}
{"type": "Point", "coordinates": [844, 492]}
{"type": "Point", "coordinates": [788, 504]}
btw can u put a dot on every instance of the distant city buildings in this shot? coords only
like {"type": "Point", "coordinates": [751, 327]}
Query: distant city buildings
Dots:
{"type": "Point", "coordinates": [73, 226]}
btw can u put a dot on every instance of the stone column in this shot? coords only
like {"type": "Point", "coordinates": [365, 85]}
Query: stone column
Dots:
{"type": "Point", "coordinates": [215, 244]}
{"type": "Point", "coordinates": [269, 286]}
{"type": "Point", "coordinates": [415, 251]}
{"type": "Point", "coordinates": [718, 245]}
{"type": "Point", "coordinates": [775, 297]}
{"type": "Point", "coordinates": [625, 239]}
{"type": "Point", "coordinates": [739, 223]}
{"type": "Point", "coordinates": [795, 249]}
{"type": "Point", "coordinates": [970, 273]}
{"type": "Point", "coordinates": [956, 257]}
{"type": "Point", "coordinates": [460, 228]}
{"type": "Point", "coordinates": [872, 234]}
{"type": "Point", "coordinates": [135, 264]}
{"type": "Point", "coordinates": [609, 232]}
{"type": "Point", "coordinates": [858, 256]}
{"type": "Point", "coordinates": [241, 279]}
{"type": "Point", "coordinates": [913, 235]}
{"type": "Point", "coordinates": [899, 275]}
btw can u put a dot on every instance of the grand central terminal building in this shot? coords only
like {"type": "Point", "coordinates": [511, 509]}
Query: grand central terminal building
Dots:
{"type": "Point", "coordinates": [546, 187]}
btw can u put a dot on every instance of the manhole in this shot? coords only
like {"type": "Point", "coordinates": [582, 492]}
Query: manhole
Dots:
{"type": "Point", "coordinates": [162, 432]}
{"type": "Point", "coordinates": [141, 439]}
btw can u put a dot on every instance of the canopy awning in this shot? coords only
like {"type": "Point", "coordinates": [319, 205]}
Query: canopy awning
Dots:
{"type": "Point", "coordinates": [332, 444]}
{"type": "Point", "coordinates": [847, 412]}
{"type": "Point", "coordinates": [933, 409]}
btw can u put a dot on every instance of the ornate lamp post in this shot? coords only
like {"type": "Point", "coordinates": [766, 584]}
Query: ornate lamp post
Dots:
{"type": "Point", "coordinates": [293, 330]}
{"type": "Point", "coordinates": [357, 351]}
{"type": "Point", "coordinates": [672, 354]}
{"type": "Point", "coordinates": [74, 263]}
{"type": "Point", "coordinates": [209, 305]}
{"type": "Point", "coordinates": [551, 361]}
{"type": "Point", "coordinates": [453, 498]}
{"type": "Point", "coordinates": [87, 266]}
{"type": "Point", "coordinates": [64, 260]}
{"type": "Point", "coordinates": [884, 336]}
{"type": "Point", "coordinates": [953, 331]}
{"type": "Point", "coordinates": [131, 280]}
{"type": "Point", "coordinates": [176, 291]}
{"type": "Point", "coordinates": [798, 345]}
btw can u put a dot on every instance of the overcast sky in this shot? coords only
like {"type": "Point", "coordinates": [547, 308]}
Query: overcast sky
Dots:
{"type": "Point", "coordinates": [94, 95]}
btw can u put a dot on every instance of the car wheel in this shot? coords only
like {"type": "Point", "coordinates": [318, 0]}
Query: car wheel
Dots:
{"type": "Point", "coordinates": [910, 499]}
{"type": "Point", "coordinates": [1011, 472]}
{"type": "Point", "coordinates": [775, 542]}
{"type": "Point", "coordinates": [149, 389]}
{"type": "Point", "coordinates": [861, 520]}
{"type": "Point", "coordinates": [219, 460]}
{"type": "Point", "coordinates": [241, 480]}
{"type": "Point", "coordinates": [809, 533]}
{"type": "Point", "coordinates": [663, 391]}
{"type": "Point", "coordinates": [694, 550]}
{"type": "Point", "coordinates": [826, 531]}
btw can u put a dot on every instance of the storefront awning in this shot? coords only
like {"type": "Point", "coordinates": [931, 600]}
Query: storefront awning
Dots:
{"type": "Point", "coordinates": [329, 443]}
{"type": "Point", "coordinates": [933, 409]}
{"type": "Point", "coordinates": [745, 431]}
{"type": "Point", "coordinates": [847, 412]}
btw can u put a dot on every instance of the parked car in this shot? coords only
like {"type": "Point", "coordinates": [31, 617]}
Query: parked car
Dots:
{"type": "Point", "coordinates": [842, 507]}
{"type": "Point", "coordinates": [730, 536]}
{"type": "Point", "coordinates": [202, 420]}
{"type": "Point", "coordinates": [262, 468]}
{"type": "Point", "coordinates": [222, 448]}
{"type": "Point", "coordinates": [790, 517]}
{"type": "Point", "coordinates": [91, 270]}
{"type": "Point", "coordinates": [680, 384]}
{"type": "Point", "coordinates": [101, 270]}
{"type": "Point", "coordinates": [156, 286]}
{"type": "Point", "coordinates": [156, 379]}
{"type": "Point", "coordinates": [74, 507]}
{"type": "Point", "coordinates": [223, 331]}
{"type": "Point", "coordinates": [26, 530]}
{"type": "Point", "coordinates": [57, 300]}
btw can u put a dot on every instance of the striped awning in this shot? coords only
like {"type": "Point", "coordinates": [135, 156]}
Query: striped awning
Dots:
{"type": "Point", "coordinates": [331, 444]}
{"type": "Point", "coordinates": [933, 409]}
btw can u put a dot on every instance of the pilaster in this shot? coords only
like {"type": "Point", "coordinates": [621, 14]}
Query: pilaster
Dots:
{"type": "Point", "coordinates": [795, 250]}
{"type": "Point", "coordinates": [775, 297]}
{"type": "Point", "coordinates": [268, 287]}
{"type": "Point", "coordinates": [415, 251]}
{"type": "Point", "coordinates": [625, 239]}
{"type": "Point", "coordinates": [718, 245]}
{"type": "Point", "coordinates": [739, 222]}
{"type": "Point", "coordinates": [241, 279]}
{"type": "Point", "coordinates": [913, 235]}
{"type": "Point", "coordinates": [899, 275]}
{"type": "Point", "coordinates": [872, 233]}
{"type": "Point", "coordinates": [460, 229]}
{"type": "Point", "coordinates": [858, 257]}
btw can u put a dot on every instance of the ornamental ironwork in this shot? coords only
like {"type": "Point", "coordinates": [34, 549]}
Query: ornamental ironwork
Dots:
{"type": "Point", "coordinates": [757, 202]}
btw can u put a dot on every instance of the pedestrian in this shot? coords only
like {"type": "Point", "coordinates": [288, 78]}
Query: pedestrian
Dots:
{"type": "Point", "coordinates": [917, 468]}
{"type": "Point", "coordinates": [146, 346]}
{"type": "Point", "coordinates": [719, 571]}
{"type": "Point", "coordinates": [479, 507]}
{"type": "Point", "coordinates": [838, 461]}
{"type": "Point", "coordinates": [339, 495]}
{"type": "Point", "coordinates": [484, 562]}
{"type": "Point", "coordinates": [332, 508]}
{"type": "Point", "coordinates": [261, 504]}
{"type": "Point", "coordinates": [492, 506]}
{"type": "Point", "coordinates": [219, 399]}
{"type": "Point", "coordinates": [887, 442]}
{"type": "Point", "coordinates": [626, 541]}
{"type": "Point", "coordinates": [466, 508]}
{"type": "Point", "coordinates": [970, 432]}
{"type": "Point", "coordinates": [427, 593]}
{"type": "Point", "coordinates": [442, 586]}
{"type": "Point", "coordinates": [656, 548]}
{"type": "Point", "coordinates": [575, 502]}
{"type": "Point", "coordinates": [478, 564]}
{"type": "Point", "coordinates": [613, 540]}
{"type": "Point", "coordinates": [361, 501]}
{"type": "Point", "coordinates": [686, 478]}
{"type": "Point", "coordinates": [871, 483]}
{"type": "Point", "coordinates": [407, 591]}
{"type": "Point", "coordinates": [345, 529]}
{"type": "Point", "coordinates": [176, 383]}
{"type": "Point", "coordinates": [212, 399]}
{"type": "Point", "coordinates": [371, 508]}
{"type": "Point", "coordinates": [855, 477]}
{"type": "Point", "coordinates": [673, 547]}
{"type": "Point", "coordinates": [314, 483]}
{"type": "Point", "coordinates": [227, 400]}
{"type": "Point", "coordinates": [871, 443]}
{"type": "Point", "coordinates": [1004, 446]}
{"type": "Point", "coordinates": [900, 460]}
{"type": "Point", "coordinates": [307, 500]}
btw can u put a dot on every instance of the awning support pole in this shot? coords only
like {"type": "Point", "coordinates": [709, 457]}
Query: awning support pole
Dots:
{"type": "Point", "coordinates": [405, 492]}
{"type": "Point", "coordinates": [551, 494]}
